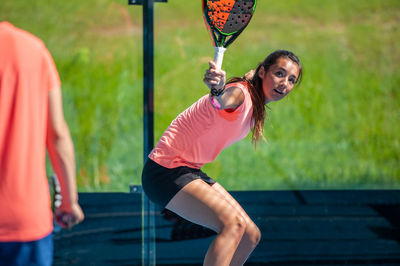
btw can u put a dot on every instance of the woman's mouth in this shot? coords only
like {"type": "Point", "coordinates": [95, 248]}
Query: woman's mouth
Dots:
{"type": "Point", "coordinates": [277, 91]}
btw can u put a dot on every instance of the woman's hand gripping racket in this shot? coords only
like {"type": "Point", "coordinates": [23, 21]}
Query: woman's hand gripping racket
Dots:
{"type": "Point", "coordinates": [225, 20]}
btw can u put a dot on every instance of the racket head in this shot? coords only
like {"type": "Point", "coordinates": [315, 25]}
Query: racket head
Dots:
{"type": "Point", "coordinates": [227, 18]}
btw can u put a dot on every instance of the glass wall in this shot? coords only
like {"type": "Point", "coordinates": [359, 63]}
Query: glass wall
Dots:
{"type": "Point", "coordinates": [337, 130]}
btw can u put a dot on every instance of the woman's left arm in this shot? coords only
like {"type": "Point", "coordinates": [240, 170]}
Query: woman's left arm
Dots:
{"type": "Point", "coordinates": [231, 98]}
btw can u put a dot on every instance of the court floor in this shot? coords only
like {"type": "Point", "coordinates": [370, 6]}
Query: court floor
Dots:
{"type": "Point", "coordinates": [349, 227]}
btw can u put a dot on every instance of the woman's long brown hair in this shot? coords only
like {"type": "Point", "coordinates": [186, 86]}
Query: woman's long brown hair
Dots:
{"type": "Point", "coordinates": [254, 84]}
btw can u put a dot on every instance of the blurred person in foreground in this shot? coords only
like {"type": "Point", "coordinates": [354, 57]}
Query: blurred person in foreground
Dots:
{"type": "Point", "coordinates": [31, 119]}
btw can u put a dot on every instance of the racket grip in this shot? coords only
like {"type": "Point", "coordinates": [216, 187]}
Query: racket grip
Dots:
{"type": "Point", "coordinates": [219, 56]}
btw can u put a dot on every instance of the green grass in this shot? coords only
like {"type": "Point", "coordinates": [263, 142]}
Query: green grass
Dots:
{"type": "Point", "coordinates": [338, 130]}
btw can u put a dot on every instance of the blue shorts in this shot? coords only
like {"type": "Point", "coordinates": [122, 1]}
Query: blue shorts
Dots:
{"type": "Point", "coordinates": [39, 252]}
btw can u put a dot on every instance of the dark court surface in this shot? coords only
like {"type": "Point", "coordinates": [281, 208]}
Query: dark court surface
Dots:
{"type": "Point", "coordinates": [351, 227]}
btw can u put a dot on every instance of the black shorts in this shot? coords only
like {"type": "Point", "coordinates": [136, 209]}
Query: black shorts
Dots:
{"type": "Point", "coordinates": [161, 184]}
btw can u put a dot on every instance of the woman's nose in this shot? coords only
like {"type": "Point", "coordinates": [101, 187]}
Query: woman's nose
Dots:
{"type": "Point", "coordinates": [283, 85]}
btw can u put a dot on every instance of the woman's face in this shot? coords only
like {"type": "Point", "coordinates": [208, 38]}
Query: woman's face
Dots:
{"type": "Point", "coordinates": [279, 80]}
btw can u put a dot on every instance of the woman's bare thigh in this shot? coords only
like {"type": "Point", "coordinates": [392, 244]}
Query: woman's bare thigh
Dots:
{"type": "Point", "coordinates": [200, 203]}
{"type": "Point", "coordinates": [232, 201]}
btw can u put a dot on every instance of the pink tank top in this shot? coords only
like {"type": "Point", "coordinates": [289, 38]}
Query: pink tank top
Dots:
{"type": "Point", "coordinates": [201, 132]}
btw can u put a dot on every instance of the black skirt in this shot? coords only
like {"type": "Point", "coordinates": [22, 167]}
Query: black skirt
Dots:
{"type": "Point", "coordinates": [161, 184]}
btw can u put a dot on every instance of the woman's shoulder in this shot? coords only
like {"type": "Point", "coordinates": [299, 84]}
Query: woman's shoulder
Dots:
{"type": "Point", "coordinates": [238, 88]}
{"type": "Point", "coordinates": [234, 95]}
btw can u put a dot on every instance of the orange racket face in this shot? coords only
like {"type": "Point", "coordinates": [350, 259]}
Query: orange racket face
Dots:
{"type": "Point", "coordinates": [228, 16]}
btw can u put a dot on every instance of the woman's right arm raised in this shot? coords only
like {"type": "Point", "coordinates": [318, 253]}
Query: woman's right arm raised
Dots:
{"type": "Point", "coordinates": [229, 98]}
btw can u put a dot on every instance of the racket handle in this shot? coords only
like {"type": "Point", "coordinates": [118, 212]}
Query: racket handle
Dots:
{"type": "Point", "coordinates": [219, 56]}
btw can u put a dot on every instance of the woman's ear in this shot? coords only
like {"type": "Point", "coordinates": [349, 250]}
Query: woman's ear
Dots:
{"type": "Point", "coordinates": [261, 72]}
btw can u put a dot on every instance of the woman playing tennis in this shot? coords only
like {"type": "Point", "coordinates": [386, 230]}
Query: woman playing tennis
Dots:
{"type": "Point", "coordinates": [172, 175]}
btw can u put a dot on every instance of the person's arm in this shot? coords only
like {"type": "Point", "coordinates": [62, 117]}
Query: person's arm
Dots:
{"type": "Point", "coordinates": [230, 98]}
{"type": "Point", "coordinates": [61, 152]}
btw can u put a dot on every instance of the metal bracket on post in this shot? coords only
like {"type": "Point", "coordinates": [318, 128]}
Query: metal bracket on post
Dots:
{"type": "Point", "coordinates": [148, 208]}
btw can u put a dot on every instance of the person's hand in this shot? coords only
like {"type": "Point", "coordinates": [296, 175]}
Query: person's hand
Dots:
{"type": "Point", "coordinates": [214, 78]}
{"type": "Point", "coordinates": [69, 216]}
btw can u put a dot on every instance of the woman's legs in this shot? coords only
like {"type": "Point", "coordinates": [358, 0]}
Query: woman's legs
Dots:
{"type": "Point", "coordinates": [252, 234]}
{"type": "Point", "coordinates": [198, 202]}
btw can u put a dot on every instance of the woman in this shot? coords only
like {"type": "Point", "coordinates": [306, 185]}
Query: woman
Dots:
{"type": "Point", "coordinates": [172, 176]}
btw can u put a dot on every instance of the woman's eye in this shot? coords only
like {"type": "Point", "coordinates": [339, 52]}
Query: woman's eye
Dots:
{"type": "Point", "coordinates": [292, 81]}
{"type": "Point", "coordinates": [279, 74]}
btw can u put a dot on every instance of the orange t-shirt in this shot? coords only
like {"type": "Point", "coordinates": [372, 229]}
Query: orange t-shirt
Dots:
{"type": "Point", "coordinates": [201, 132]}
{"type": "Point", "coordinates": [27, 73]}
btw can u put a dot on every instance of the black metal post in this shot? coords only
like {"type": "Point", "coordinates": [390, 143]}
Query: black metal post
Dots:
{"type": "Point", "coordinates": [148, 221]}
{"type": "Point", "coordinates": [148, 237]}
{"type": "Point", "coordinates": [148, 77]}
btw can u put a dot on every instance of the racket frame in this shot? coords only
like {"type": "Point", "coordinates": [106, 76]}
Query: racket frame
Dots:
{"type": "Point", "coordinates": [219, 38]}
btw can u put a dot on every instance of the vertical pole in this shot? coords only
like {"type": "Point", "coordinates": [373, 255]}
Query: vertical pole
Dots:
{"type": "Point", "coordinates": [148, 77]}
{"type": "Point", "coordinates": [148, 223]}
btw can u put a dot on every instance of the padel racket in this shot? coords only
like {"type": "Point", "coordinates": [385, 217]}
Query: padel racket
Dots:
{"type": "Point", "coordinates": [57, 198]}
{"type": "Point", "coordinates": [65, 218]}
{"type": "Point", "coordinates": [225, 20]}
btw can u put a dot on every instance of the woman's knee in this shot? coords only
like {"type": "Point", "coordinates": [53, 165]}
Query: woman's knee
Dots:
{"type": "Point", "coordinates": [253, 233]}
{"type": "Point", "coordinates": [235, 224]}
